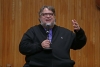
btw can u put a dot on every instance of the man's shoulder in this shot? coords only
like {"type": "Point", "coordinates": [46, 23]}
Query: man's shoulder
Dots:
{"type": "Point", "coordinates": [34, 26]}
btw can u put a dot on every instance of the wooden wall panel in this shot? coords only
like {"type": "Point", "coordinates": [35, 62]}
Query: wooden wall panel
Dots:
{"type": "Point", "coordinates": [0, 35]}
{"type": "Point", "coordinates": [16, 16]}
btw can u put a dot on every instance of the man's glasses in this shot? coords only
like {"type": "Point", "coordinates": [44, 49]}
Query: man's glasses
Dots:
{"type": "Point", "coordinates": [46, 14]}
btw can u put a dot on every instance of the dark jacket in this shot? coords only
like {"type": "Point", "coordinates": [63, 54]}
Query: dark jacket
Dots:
{"type": "Point", "coordinates": [62, 41]}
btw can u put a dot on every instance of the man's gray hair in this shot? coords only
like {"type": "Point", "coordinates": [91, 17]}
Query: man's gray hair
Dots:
{"type": "Point", "coordinates": [48, 7]}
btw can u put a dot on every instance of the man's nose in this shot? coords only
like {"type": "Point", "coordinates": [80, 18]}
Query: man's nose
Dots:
{"type": "Point", "coordinates": [48, 15]}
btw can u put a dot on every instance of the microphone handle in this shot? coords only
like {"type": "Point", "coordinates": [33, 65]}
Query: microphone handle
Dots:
{"type": "Point", "coordinates": [48, 36]}
{"type": "Point", "coordinates": [48, 39]}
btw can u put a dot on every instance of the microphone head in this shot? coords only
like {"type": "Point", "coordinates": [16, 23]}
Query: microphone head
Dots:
{"type": "Point", "coordinates": [48, 25]}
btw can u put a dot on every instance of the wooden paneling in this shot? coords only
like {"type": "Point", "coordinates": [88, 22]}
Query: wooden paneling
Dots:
{"type": "Point", "coordinates": [16, 16]}
{"type": "Point", "coordinates": [0, 35]}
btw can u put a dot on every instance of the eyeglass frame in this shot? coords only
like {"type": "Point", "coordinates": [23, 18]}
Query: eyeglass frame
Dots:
{"type": "Point", "coordinates": [45, 14]}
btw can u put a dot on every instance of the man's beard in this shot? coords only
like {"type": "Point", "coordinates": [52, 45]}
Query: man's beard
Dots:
{"type": "Point", "coordinates": [45, 24]}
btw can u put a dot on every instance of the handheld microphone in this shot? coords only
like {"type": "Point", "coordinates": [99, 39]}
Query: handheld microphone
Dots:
{"type": "Point", "coordinates": [48, 25]}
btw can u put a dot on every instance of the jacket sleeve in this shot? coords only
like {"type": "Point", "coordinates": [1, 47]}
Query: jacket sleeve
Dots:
{"type": "Point", "coordinates": [79, 40]}
{"type": "Point", "coordinates": [29, 43]}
